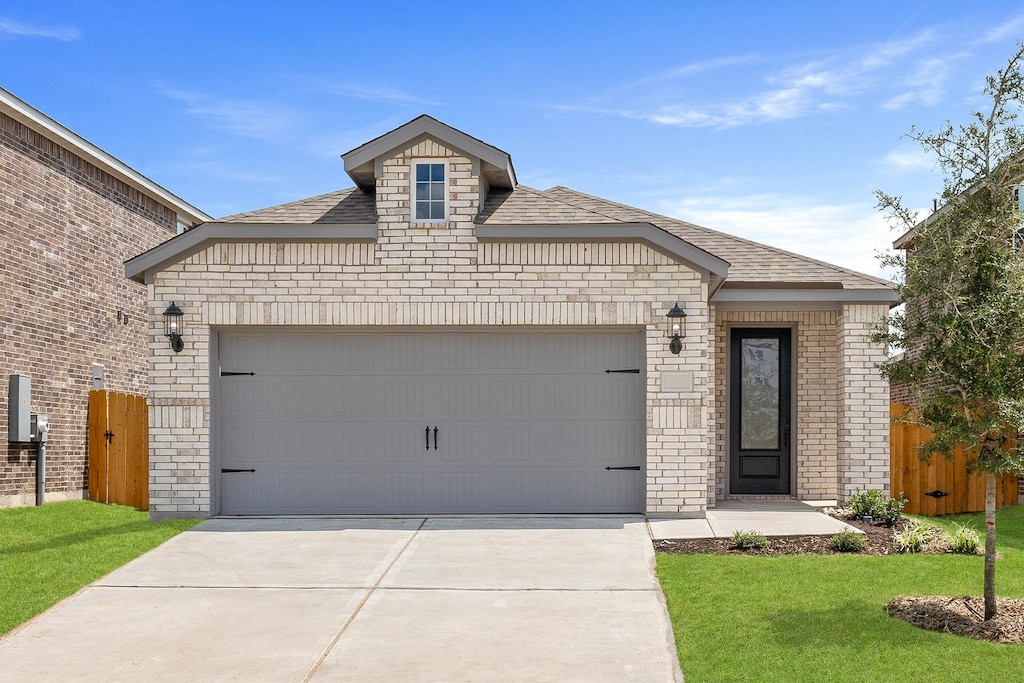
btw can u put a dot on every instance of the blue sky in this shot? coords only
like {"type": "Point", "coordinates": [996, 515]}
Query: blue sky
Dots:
{"type": "Point", "coordinates": [770, 120]}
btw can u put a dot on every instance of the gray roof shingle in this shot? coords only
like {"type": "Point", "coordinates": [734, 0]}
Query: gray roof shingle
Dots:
{"type": "Point", "coordinates": [347, 206]}
{"type": "Point", "coordinates": [750, 261]}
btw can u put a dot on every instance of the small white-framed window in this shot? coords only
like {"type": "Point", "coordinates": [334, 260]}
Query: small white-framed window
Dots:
{"type": "Point", "coordinates": [429, 191]}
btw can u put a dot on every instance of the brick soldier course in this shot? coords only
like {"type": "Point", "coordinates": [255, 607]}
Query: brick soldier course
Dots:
{"type": "Point", "coordinates": [70, 215]}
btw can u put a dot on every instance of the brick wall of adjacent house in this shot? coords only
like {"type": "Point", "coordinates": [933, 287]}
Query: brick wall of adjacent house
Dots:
{"type": "Point", "coordinates": [816, 397]}
{"type": "Point", "coordinates": [428, 276]}
{"type": "Point", "coordinates": [67, 227]}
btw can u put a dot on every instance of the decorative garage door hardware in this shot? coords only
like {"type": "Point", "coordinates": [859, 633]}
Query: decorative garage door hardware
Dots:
{"type": "Point", "coordinates": [427, 431]}
{"type": "Point", "coordinates": [230, 469]}
{"type": "Point", "coordinates": [228, 373]}
{"type": "Point", "coordinates": [634, 371]}
{"type": "Point", "coordinates": [936, 494]}
{"type": "Point", "coordinates": [630, 467]}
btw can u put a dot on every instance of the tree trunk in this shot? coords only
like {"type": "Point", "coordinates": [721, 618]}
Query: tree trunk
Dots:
{"type": "Point", "coordinates": [990, 546]}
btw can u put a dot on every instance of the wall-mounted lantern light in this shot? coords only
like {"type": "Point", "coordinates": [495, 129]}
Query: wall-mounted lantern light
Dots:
{"type": "Point", "coordinates": [173, 327]}
{"type": "Point", "coordinates": [676, 328]}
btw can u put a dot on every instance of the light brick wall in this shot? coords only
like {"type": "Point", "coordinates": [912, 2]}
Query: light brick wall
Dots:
{"type": "Point", "coordinates": [863, 402]}
{"type": "Point", "coordinates": [428, 276]}
{"type": "Point", "coordinates": [815, 365]}
{"type": "Point", "coordinates": [66, 228]}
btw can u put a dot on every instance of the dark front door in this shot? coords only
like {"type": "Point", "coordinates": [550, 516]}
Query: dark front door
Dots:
{"type": "Point", "coordinates": [759, 408]}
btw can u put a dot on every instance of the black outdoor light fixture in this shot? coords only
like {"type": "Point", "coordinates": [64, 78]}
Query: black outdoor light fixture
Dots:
{"type": "Point", "coordinates": [676, 328]}
{"type": "Point", "coordinates": [172, 326]}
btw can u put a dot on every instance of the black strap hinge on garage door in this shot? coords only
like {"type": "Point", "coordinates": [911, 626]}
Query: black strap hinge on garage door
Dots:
{"type": "Point", "coordinates": [228, 373]}
{"type": "Point", "coordinates": [631, 467]}
{"type": "Point", "coordinates": [228, 469]}
{"type": "Point", "coordinates": [634, 371]}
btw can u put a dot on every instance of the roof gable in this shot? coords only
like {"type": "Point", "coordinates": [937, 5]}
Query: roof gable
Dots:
{"type": "Point", "coordinates": [363, 163]}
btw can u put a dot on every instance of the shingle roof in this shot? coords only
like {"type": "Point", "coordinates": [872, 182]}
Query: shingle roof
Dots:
{"type": "Point", "coordinates": [750, 262]}
{"type": "Point", "coordinates": [347, 206]}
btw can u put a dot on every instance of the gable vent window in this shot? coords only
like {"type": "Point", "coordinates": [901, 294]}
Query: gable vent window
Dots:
{"type": "Point", "coordinates": [430, 192]}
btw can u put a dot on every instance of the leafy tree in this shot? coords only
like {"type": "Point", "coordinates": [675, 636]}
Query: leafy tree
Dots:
{"type": "Point", "coordinates": [963, 284]}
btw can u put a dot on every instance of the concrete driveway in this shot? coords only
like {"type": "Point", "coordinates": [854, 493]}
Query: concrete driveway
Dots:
{"type": "Point", "coordinates": [309, 599]}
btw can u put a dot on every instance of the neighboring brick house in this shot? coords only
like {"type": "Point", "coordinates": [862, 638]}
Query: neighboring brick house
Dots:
{"type": "Point", "coordinates": [441, 339]}
{"type": "Point", "coordinates": [70, 215]}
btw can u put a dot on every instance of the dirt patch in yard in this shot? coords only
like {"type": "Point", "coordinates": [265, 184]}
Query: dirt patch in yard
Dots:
{"type": "Point", "coordinates": [963, 616]}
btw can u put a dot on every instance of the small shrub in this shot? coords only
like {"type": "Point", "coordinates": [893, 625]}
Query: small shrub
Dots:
{"type": "Point", "coordinates": [964, 540]}
{"type": "Point", "coordinates": [892, 510]}
{"type": "Point", "coordinates": [848, 541]}
{"type": "Point", "coordinates": [876, 504]}
{"type": "Point", "coordinates": [865, 503]}
{"type": "Point", "coordinates": [745, 540]}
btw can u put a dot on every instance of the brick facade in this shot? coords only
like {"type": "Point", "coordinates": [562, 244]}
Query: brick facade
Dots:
{"type": "Point", "coordinates": [570, 266]}
{"type": "Point", "coordinates": [442, 276]}
{"type": "Point", "coordinates": [67, 228]}
{"type": "Point", "coordinates": [437, 275]}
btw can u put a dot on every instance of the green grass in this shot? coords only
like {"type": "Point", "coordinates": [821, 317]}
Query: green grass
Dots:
{"type": "Point", "coordinates": [822, 618]}
{"type": "Point", "coordinates": [48, 553]}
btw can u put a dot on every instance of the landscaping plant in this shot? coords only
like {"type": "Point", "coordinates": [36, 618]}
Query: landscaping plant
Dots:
{"type": "Point", "coordinates": [749, 539]}
{"type": "Point", "coordinates": [962, 281]}
{"type": "Point", "coordinates": [848, 541]}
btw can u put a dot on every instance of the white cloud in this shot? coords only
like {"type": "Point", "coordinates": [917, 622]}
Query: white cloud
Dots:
{"type": "Point", "coordinates": [927, 85]}
{"type": "Point", "coordinates": [1009, 29]}
{"type": "Point", "coordinates": [794, 91]}
{"type": "Point", "coordinates": [904, 160]}
{"type": "Point", "coordinates": [371, 93]}
{"type": "Point", "coordinates": [245, 117]}
{"type": "Point", "coordinates": [14, 28]}
{"type": "Point", "coordinates": [848, 235]}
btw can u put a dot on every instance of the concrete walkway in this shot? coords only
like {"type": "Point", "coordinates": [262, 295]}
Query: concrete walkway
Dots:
{"type": "Point", "coordinates": [771, 518]}
{"type": "Point", "coordinates": [440, 599]}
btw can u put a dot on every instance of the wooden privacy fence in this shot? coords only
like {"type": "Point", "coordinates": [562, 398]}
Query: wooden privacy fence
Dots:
{"type": "Point", "coordinates": [118, 449]}
{"type": "Point", "coordinates": [916, 478]}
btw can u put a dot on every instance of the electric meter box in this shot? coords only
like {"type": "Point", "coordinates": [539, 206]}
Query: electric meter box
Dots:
{"type": "Point", "coordinates": [19, 416]}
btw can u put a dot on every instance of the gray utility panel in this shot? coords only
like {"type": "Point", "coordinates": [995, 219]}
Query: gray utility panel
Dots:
{"type": "Point", "coordinates": [429, 423]}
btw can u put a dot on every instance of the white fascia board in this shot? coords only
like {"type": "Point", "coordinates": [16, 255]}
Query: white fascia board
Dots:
{"type": "Point", "coordinates": [804, 296]}
{"type": "Point", "coordinates": [143, 267]}
{"type": "Point", "coordinates": [652, 235]}
{"type": "Point", "coordinates": [47, 127]}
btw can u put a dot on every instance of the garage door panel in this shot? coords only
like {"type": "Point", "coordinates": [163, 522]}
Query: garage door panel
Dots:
{"type": "Point", "coordinates": [527, 422]}
{"type": "Point", "coordinates": [353, 492]}
{"type": "Point", "coordinates": [403, 490]}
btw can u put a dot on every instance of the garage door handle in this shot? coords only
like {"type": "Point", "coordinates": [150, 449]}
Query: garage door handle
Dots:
{"type": "Point", "coordinates": [427, 430]}
{"type": "Point", "coordinates": [435, 438]}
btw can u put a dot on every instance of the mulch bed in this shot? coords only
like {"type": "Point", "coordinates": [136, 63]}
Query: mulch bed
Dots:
{"type": "Point", "coordinates": [963, 616]}
{"type": "Point", "coordinates": [879, 543]}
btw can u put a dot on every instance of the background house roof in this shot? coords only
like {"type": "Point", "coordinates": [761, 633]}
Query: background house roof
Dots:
{"type": "Point", "coordinates": [29, 116]}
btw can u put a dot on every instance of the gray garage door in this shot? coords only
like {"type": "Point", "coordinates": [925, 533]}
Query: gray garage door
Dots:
{"type": "Point", "coordinates": [411, 423]}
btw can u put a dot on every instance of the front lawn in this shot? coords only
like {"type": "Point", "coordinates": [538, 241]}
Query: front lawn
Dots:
{"type": "Point", "coordinates": [48, 553]}
{"type": "Point", "coordinates": [822, 617]}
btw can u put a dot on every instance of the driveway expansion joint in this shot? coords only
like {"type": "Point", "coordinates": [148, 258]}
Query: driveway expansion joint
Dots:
{"type": "Point", "coordinates": [348, 622]}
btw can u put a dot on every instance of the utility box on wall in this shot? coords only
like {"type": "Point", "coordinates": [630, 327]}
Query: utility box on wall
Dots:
{"type": "Point", "coordinates": [19, 415]}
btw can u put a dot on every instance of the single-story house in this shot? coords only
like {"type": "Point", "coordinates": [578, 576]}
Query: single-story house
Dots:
{"type": "Point", "coordinates": [70, 214]}
{"type": "Point", "coordinates": [441, 339]}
